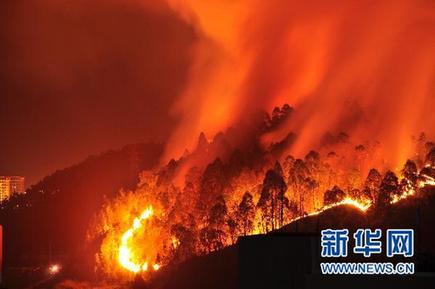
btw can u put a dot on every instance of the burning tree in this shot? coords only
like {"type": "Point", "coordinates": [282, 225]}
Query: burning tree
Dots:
{"type": "Point", "coordinates": [213, 236]}
{"type": "Point", "coordinates": [271, 202]}
{"type": "Point", "coordinates": [246, 214]}
{"type": "Point", "coordinates": [372, 185]}
{"type": "Point", "coordinates": [334, 195]}
{"type": "Point", "coordinates": [233, 189]}
{"type": "Point", "coordinates": [298, 175]}
{"type": "Point", "coordinates": [410, 177]}
{"type": "Point", "coordinates": [388, 189]}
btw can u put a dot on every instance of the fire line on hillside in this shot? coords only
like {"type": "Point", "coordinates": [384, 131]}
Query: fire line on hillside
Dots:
{"type": "Point", "coordinates": [233, 189]}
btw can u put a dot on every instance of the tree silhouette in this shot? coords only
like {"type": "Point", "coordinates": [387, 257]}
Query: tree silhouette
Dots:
{"type": "Point", "coordinates": [410, 177]}
{"type": "Point", "coordinates": [333, 196]}
{"type": "Point", "coordinates": [389, 188]}
{"type": "Point", "coordinates": [363, 196]}
{"type": "Point", "coordinates": [212, 184]}
{"type": "Point", "coordinates": [202, 143]}
{"type": "Point", "coordinates": [213, 236]}
{"type": "Point", "coordinates": [287, 165]}
{"type": "Point", "coordinates": [246, 214]}
{"type": "Point", "coordinates": [218, 213]}
{"type": "Point", "coordinates": [309, 186]}
{"type": "Point", "coordinates": [271, 200]}
{"type": "Point", "coordinates": [186, 240]}
{"type": "Point", "coordinates": [279, 115]}
{"type": "Point", "coordinates": [372, 184]}
{"type": "Point", "coordinates": [297, 176]}
{"type": "Point", "coordinates": [430, 158]}
{"type": "Point", "coordinates": [312, 161]}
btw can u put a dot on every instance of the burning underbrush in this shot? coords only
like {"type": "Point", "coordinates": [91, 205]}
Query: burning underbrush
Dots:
{"type": "Point", "coordinates": [233, 186]}
{"type": "Point", "coordinates": [133, 230]}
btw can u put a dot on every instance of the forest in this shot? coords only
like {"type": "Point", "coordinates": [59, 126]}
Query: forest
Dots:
{"type": "Point", "coordinates": [234, 186]}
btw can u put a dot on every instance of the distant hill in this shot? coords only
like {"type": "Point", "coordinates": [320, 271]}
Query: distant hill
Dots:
{"type": "Point", "coordinates": [54, 214]}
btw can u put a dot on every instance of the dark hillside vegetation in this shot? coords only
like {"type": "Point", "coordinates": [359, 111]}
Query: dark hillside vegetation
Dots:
{"type": "Point", "coordinates": [220, 269]}
{"type": "Point", "coordinates": [53, 216]}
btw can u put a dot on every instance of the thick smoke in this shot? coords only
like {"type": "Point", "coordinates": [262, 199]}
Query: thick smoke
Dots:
{"type": "Point", "coordinates": [364, 67]}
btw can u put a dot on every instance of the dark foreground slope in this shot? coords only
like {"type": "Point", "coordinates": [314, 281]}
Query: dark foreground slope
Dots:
{"type": "Point", "coordinates": [50, 221]}
{"type": "Point", "coordinates": [285, 258]}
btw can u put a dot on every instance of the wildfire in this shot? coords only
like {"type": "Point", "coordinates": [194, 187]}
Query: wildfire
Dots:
{"type": "Point", "coordinates": [126, 255]}
{"type": "Point", "coordinates": [410, 191]}
{"type": "Point", "coordinates": [175, 242]}
{"type": "Point", "coordinates": [165, 221]}
{"type": "Point", "coordinates": [407, 192]}
{"type": "Point", "coordinates": [362, 206]}
{"type": "Point", "coordinates": [428, 181]}
{"type": "Point", "coordinates": [128, 260]}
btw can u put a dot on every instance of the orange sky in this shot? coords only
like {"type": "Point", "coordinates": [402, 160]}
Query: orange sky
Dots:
{"type": "Point", "coordinates": [366, 67]}
{"type": "Point", "coordinates": [79, 78]}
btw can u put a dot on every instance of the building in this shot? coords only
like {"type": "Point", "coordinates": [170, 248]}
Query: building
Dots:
{"type": "Point", "coordinates": [11, 185]}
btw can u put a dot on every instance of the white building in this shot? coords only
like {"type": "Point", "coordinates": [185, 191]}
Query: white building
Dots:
{"type": "Point", "coordinates": [11, 185]}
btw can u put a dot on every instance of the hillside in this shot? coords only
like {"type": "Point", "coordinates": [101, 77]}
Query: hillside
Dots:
{"type": "Point", "coordinates": [54, 214]}
{"type": "Point", "coordinates": [223, 270]}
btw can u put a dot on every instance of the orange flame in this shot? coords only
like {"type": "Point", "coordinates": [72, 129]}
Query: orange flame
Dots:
{"type": "Point", "coordinates": [125, 253]}
{"type": "Point", "coordinates": [362, 206]}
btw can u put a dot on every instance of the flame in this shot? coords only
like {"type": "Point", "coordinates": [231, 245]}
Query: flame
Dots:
{"type": "Point", "coordinates": [428, 181]}
{"type": "Point", "coordinates": [407, 192]}
{"type": "Point", "coordinates": [171, 229]}
{"type": "Point", "coordinates": [175, 242]}
{"type": "Point", "coordinates": [410, 191]}
{"type": "Point", "coordinates": [362, 206]}
{"type": "Point", "coordinates": [125, 253]}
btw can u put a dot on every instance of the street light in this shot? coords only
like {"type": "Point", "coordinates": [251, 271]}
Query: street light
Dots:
{"type": "Point", "coordinates": [54, 269]}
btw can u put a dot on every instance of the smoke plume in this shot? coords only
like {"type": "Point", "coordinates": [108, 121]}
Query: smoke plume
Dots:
{"type": "Point", "coordinates": [364, 67]}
